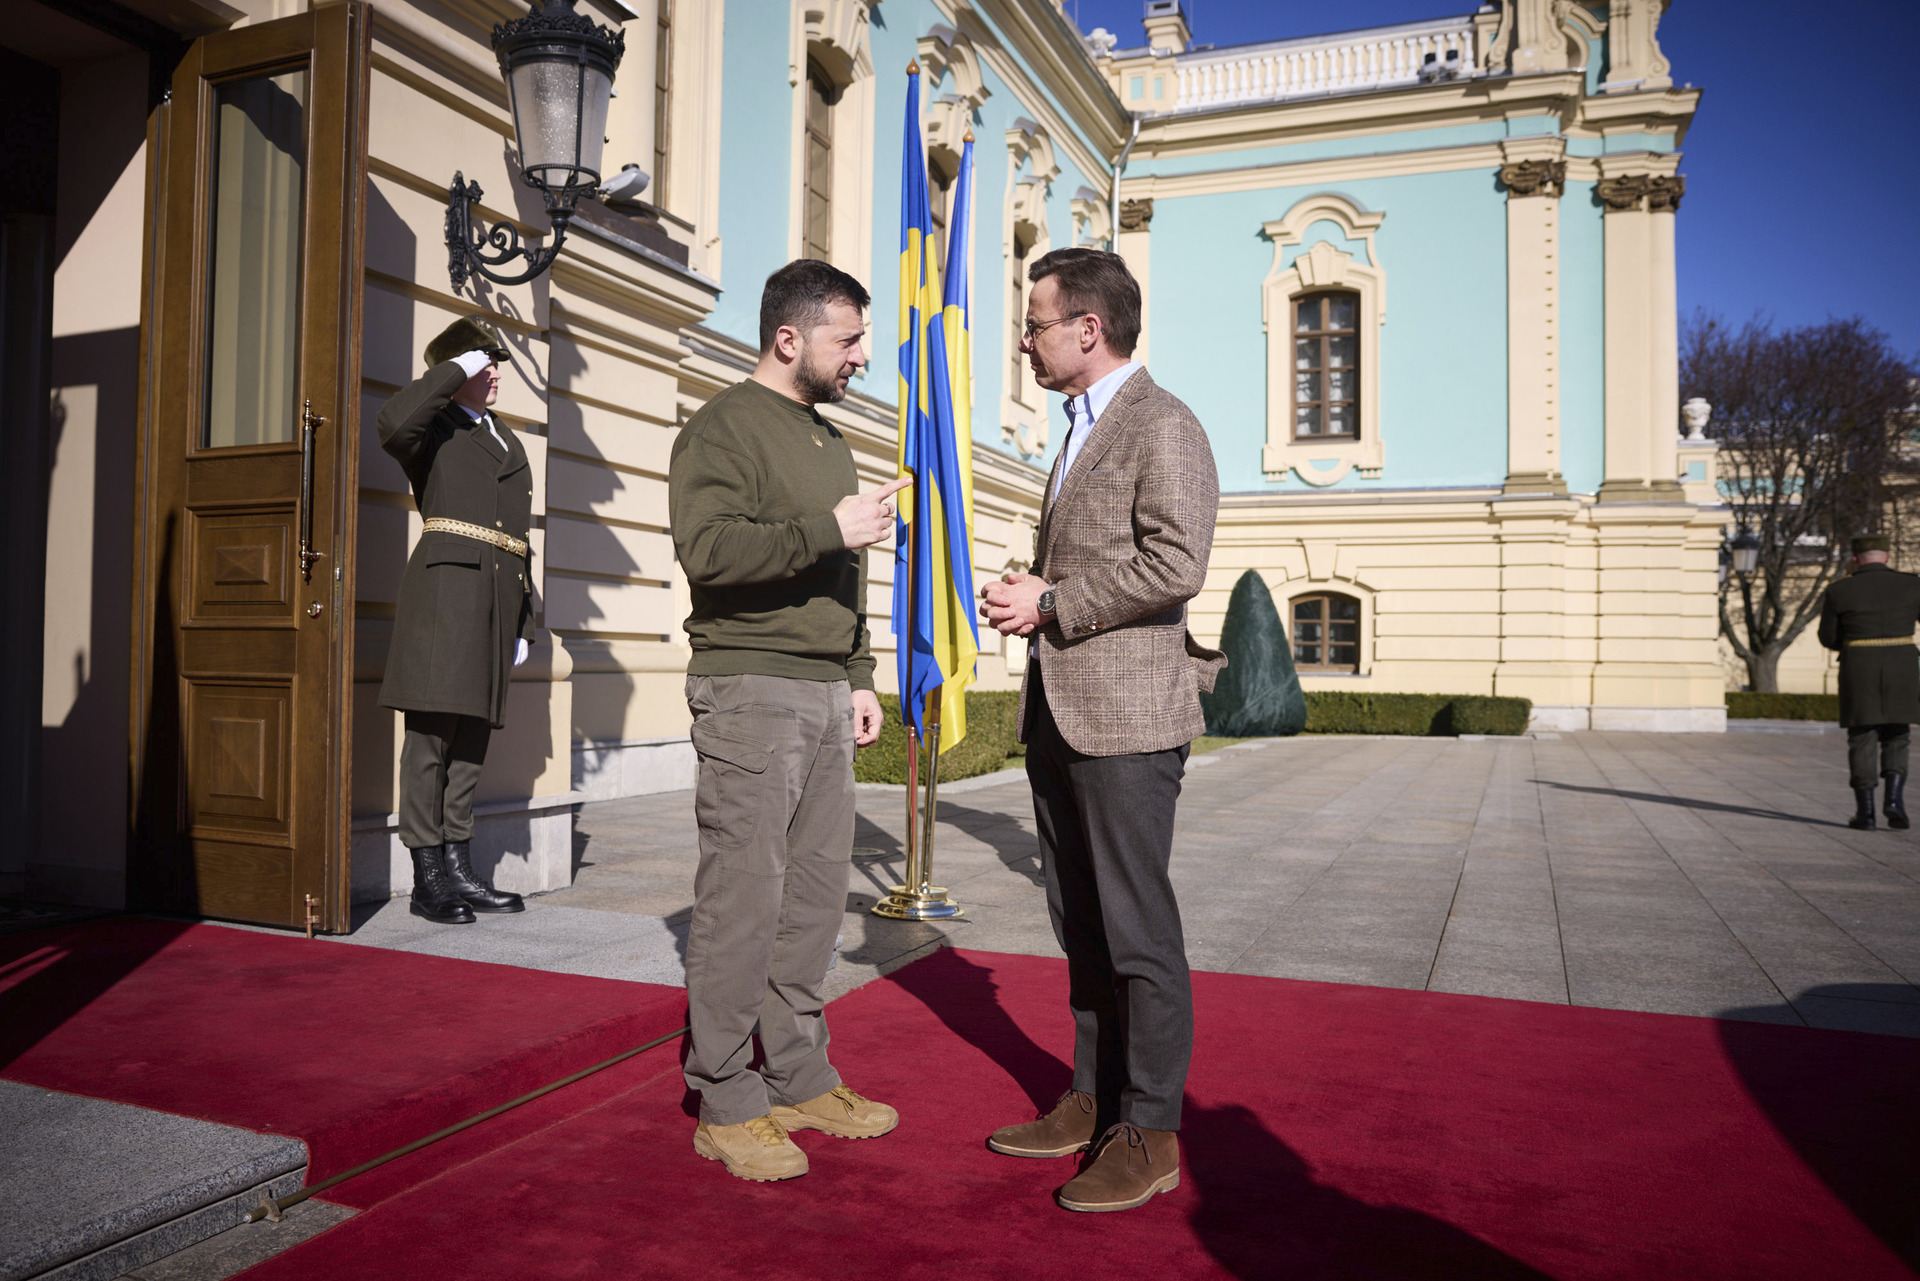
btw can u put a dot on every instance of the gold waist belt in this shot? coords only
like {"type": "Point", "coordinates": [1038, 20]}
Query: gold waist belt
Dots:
{"type": "Point", "coordinates": [505, 542]}
{"type": "Point", "coordinates": [1878, 641]}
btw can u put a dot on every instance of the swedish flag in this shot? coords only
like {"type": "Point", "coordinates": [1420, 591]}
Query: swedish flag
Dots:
{"type": "Point", "coordinates": [933, 551]}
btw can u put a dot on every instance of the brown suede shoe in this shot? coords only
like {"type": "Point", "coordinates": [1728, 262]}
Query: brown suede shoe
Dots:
{"type": "Point", "coordinates": [1062, 1132]}
{"type": "Point", "coordinates": [840, 1112]}
{"type": "Point", "coordinates": [758, 1149]}
{"type": "Point", "coordinates": [1130, 1167]}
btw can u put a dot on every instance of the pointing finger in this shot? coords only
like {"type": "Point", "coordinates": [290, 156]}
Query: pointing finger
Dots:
{"type": "Point", "coordinates": [891, 488]}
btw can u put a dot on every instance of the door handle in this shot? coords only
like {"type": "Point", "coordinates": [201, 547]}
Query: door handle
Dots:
{"type": "Point", "coordinates": [309, 421]}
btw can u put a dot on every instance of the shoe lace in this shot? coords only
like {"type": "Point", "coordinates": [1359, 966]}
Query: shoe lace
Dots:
{"type": "Point", "coordinates": [1127, 1132]}
{"type": "Point", "coordinates": [1082, 1101]}
{"type": "Point", "coordinates": [849, 1096]}
{"type": "Point", "coordinates": [767, 1130]}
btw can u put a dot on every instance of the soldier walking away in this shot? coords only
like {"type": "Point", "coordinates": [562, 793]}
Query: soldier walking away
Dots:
{"type": "Point", "coordinates": [1869, 616]}
{"type": "Point", "coordinates": [465, 617]}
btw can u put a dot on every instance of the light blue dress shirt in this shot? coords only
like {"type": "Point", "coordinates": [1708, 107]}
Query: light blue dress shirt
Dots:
{"type": "Point", "coordinates": [1084, 410]}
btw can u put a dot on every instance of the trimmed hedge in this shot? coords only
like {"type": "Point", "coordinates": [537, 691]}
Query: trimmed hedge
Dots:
{"type": "Point", "coordinates": [989, 741]}
{"type": "Point", "coordinates": [1341, 712]}
{"type": "Point", "coordinates": [1784, 707]}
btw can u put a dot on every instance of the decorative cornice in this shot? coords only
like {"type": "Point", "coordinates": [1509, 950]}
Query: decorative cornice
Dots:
{"type": "Point", "coordinates": [1535, 178]}
{"type": "Point", "coordinates": [1664, 192]}
{"type": "Point", "coordinates": [1623, 194]}
{"type": "Point", "coordinates": [1136, 215]}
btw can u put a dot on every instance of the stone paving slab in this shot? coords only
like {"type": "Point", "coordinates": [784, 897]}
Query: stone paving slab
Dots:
{"type": "Point", "coordinates": [1690, 874]}
{"type": "Point", "coordinates": [90, 1189]}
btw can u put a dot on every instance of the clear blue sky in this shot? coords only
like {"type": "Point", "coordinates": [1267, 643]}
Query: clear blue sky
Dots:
{"type": "Point", "coordinates": [1802, 165]}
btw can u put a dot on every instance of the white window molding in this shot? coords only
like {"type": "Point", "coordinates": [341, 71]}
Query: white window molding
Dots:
{"type": "Point", "coordinates": [1321, 267]}
{"type": "Point", "coordinates": [1031, 169]}
{"type": "Point", "coordinates": [834, 34]}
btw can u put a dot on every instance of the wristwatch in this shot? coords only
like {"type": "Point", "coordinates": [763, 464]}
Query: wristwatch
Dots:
{"type": "Point", "coordinates": [1046, 603]}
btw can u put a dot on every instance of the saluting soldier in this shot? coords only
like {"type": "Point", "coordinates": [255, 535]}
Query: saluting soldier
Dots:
{"type": "Point", "coordinates": [466, 613]}
{"type": "Point", "coordinates": [1869, 617]}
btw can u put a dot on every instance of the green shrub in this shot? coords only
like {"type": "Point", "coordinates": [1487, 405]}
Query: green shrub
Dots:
{"type": "Point", "coordinates": [989, 740]}
{"type": "Point", "coordinates": [1481, 714]}
{"type": "Point", "coordinates": [1258, 695]}
{"type": "Point", "coordinates": [1785, 707]}
{"type": "Point", "coordinates": [1344, 712]}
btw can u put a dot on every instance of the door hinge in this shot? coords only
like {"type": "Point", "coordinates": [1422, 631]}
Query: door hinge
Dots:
{"type": "Point", "coordinates": [311, 922]}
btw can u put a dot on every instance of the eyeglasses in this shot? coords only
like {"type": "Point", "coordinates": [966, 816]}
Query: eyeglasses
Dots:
{"type": "Point", "coordinates": [1033, 330]}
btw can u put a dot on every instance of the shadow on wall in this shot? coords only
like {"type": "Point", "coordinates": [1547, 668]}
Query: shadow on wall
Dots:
{"type": "Point", "coordinates": [83, 816]}
{"type": "Point", "coordinates": [1846, 1101]}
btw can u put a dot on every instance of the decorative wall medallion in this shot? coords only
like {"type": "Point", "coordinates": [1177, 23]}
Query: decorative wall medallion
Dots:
{"type": "Point", "coordinates": [1135, 215]}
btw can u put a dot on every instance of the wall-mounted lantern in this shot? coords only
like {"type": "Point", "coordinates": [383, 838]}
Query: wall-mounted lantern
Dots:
{"type": "Point", "coordinates": [1746, 552]}
{"type": "Point", "coordinates": [559, 70]}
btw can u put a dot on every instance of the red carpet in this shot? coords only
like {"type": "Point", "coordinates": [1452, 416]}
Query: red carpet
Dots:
{"type": "Point", "coordinates": [1332, 1131]}
{"type": "Point", "coordinates": [356, 1050]}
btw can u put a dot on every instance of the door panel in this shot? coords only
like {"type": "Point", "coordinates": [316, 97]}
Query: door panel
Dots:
{"type": "Point", "coordinates": [243, 633]}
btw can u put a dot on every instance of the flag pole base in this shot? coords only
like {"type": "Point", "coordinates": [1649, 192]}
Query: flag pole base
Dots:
{"type": "Point", "coordinates": [928, 903]}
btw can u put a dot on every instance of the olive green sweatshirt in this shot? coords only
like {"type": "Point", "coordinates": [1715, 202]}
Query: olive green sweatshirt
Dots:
{"type": "Point", "coordinates": [776, 592]}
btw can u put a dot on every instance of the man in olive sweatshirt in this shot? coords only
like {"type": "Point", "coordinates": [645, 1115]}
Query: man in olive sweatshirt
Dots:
{"type": "Point", "coordinates": [769, 527]}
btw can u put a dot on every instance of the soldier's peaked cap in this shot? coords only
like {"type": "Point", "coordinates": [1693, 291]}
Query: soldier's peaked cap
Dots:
{"type": "Point", "coordinates": [1871, 543]}
{"type": "Point", "coordinates": [469, 333]}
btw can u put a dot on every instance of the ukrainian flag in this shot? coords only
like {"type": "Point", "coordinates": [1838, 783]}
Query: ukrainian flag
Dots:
{"type": "Point", "coordinates": [933, 550]}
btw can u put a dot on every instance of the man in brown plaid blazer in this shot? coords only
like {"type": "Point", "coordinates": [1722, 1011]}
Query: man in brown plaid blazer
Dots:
{"type": "Point", "coordinates": [1110, 703]}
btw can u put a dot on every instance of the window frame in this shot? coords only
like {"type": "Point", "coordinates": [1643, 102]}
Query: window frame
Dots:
{"type": "Point", "coordinates": [1324, 666]}
{"type": "Point", "coordinates": [817, 241]}
{"type": "Point", "coordinates": [1323, 337]}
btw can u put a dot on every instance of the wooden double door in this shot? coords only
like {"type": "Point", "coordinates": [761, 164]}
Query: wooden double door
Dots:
{"type": "Point", "coordinates": [243, 629]}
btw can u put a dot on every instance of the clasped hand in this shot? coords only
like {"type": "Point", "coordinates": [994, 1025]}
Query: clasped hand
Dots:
{"type": "Point", "coordinates": [1012, 605]}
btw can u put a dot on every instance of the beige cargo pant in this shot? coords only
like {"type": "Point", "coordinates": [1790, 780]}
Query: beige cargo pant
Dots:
{"type": "Point", "coordinates": [774, 801]}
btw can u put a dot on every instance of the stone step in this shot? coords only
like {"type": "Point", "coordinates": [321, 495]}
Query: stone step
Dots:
{"type": "Point", "coordinates": [91, 1190]}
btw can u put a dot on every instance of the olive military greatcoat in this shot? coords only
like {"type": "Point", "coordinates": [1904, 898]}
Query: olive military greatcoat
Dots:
{"type": "Point", "coordinates": [1879, 684]}
{"type": "Point", "coordinates": [463, 602]}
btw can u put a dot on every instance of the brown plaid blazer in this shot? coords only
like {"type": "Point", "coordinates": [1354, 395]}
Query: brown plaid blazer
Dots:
{"type": "Point", "coordinates": [1125, 546]}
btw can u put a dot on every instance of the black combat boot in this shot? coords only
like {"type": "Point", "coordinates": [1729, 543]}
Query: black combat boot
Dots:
{"type": "Point", "coordinates": [1896, 801]}
{"type": "Point", "coordinates": [478, 895]}
{"type": "Point", "coordinates": [1863, 810]}
{"type": "Point", "coordinates": [433, 894]}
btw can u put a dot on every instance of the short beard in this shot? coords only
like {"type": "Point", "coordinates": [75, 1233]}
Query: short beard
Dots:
{"type": "Point", "coordinates": [813, 386]}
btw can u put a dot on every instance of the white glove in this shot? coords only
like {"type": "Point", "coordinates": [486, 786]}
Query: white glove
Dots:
{"type": "Point", "coordinates": [520, 650]}
{"type": "Point", "coordinates": [472, 362]}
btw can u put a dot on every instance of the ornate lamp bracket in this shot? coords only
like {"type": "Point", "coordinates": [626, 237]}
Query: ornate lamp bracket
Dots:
{"type": "Point", "coordinates": [477, 250]}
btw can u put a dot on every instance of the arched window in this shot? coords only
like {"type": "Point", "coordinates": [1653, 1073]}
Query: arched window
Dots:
{"type": "Point", "coordinates": [1326, 633]}
{"type": "Point", "coordinates": [817, 214]}
{"type": "Point", "coordinates": [940, 175]}
{"type": "Point", "coordinates": [1326, 366]}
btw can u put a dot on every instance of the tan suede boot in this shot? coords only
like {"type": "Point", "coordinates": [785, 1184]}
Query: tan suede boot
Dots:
{"type": "Point", "coordinates": [758, 1149]}
{"type": "Point", "coordinates": [1130, 1166]}
{"type": "Point", "coordinates": [840, 1112]}
{"type": "Point", "coordinates": [1062, 1132]}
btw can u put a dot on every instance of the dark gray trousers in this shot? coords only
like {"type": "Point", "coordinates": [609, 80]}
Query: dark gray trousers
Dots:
{"type": "Point", "coordinates": [1868, 746]}
{"type": "Point", "coordinates": [440, 764]}
{"type": "Point", "coordinates": [1106, 838]}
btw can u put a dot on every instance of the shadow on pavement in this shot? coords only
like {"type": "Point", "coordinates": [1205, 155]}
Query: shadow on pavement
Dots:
{"type": "Point", "coordinates": [1259, 1206]}
{"type": "Point", "coordinates": [48, 976]}
{"type": "Point", "coordinates": [1748, 811]}
{"type": "Point", "coordinates": [1017, 848]}
{"type": "Point", "coordinates": [1848, 1103]}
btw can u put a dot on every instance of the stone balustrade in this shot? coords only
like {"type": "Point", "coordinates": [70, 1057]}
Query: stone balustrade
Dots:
{"type": "Point", "coordinates": [1376, 59]}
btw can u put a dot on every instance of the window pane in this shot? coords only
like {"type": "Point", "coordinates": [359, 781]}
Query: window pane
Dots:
{"type": "Point", "coordinates": [1306, 654]}
{"type": "Point", "coordinates": [1343, 656]}
{"type": "Point", "coordinates": [1306, 610]}
{"type": "Point", "coordinates": [1340, 308]}
{"type": "Point", "coordinates": [253, 289]}
{"type": "Point", "coordinates": [1309, 315]}
{"type": "Point", "coordinates": [1307, 633]}
{"type": "Point", "coordinates": [1341, 385]}
{"type": "Point", "coordinates": [1344, 633]}
{"type": "Point", "coordinates": [1306, 353]}
{"type": "Point", "coordinates": [1343, 353]}
{"type": "Point", "coordinates": [1344, 607]}
{"type": "Point", "coordinates": [1340, 420]}
{"type": "Point", "coordinates": [1306, 388]}
{"type": "Point", "coordinates": [1306, 421]}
